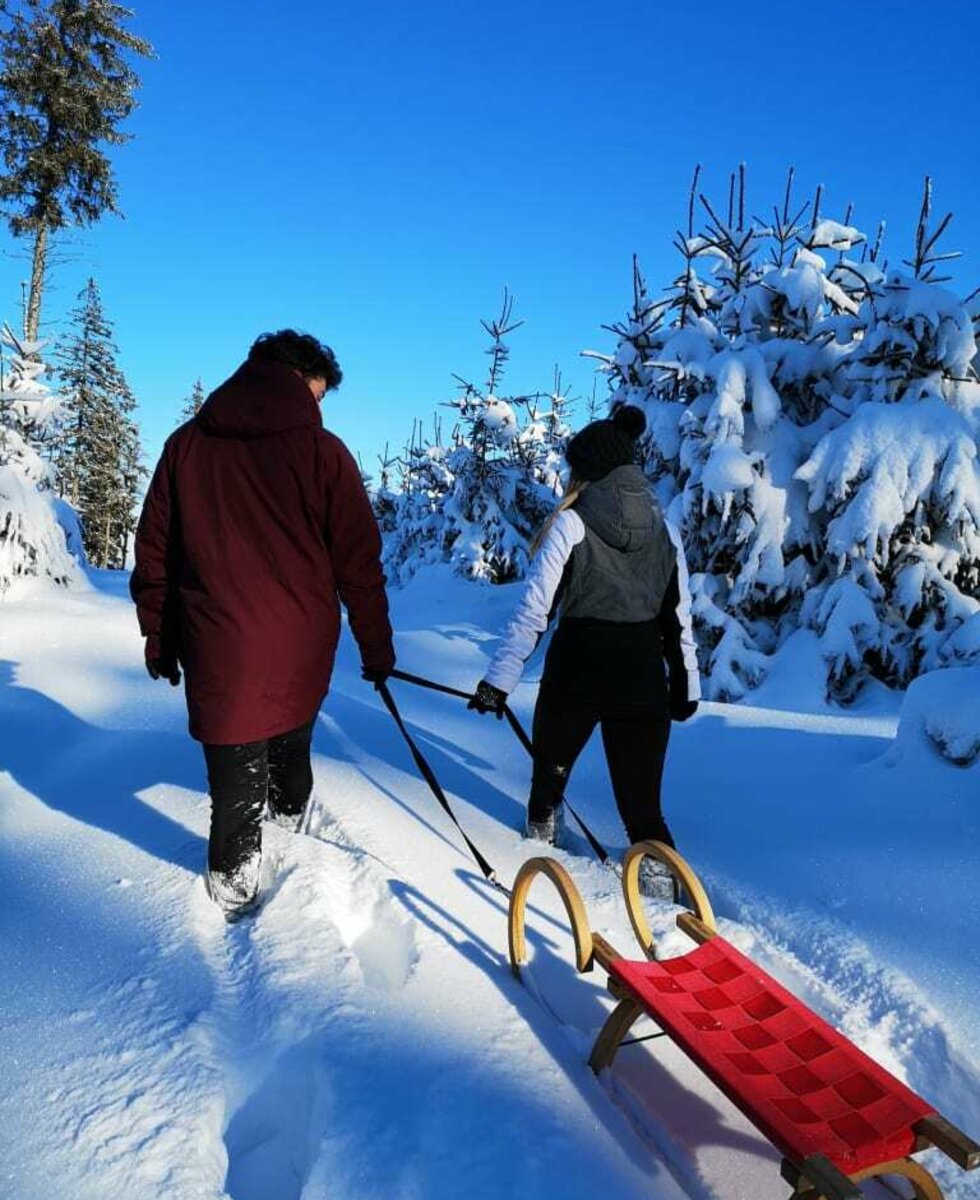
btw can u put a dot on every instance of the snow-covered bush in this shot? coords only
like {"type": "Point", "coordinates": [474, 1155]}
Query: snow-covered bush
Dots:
{"type": "Point", "coordinates": [477, 502]}
{"type": "Point", "coordinates": [944, 708]}
{"type": "Point", "coordinates": [812, 428]}
{"type": "Point", "coordinates": [32, 540]}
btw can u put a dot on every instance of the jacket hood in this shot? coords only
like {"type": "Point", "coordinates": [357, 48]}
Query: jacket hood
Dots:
{"type": "Point", "coordinates": [620, 508]}
{"type": "Point", "coordinates": [260, 399]}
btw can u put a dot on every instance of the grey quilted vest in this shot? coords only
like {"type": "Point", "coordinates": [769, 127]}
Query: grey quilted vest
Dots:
{"type": "Point", "coordinates": [621, 568]}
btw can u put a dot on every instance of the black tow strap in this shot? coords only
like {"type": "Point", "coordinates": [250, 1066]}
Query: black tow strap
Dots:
{"type": "Point", "coordinates": [429, 776]}
{"type": "Point", "coordinates": [520, 733]}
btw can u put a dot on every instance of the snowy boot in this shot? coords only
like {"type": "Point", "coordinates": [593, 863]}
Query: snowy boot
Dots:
{"type": "Point", "coordinates": [656, 881]}
{"type": "Point", "coordinates": [236, 892]}
{"type": "Point", "coordinates": [549, 831]}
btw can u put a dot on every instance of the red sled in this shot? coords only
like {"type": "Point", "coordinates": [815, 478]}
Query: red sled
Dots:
{"type": "Point", "coordinates": [834, 1114]}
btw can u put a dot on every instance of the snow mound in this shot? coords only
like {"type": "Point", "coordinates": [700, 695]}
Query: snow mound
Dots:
{"type": "Point", "coordinates": [945, 707]}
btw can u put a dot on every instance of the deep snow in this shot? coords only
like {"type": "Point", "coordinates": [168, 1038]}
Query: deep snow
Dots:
{"type": "Point", "coordinates": [362, 1035]}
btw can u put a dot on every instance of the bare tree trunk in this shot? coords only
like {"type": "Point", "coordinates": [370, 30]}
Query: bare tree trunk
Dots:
{"type": "Point", "coordinates": [32, 320]}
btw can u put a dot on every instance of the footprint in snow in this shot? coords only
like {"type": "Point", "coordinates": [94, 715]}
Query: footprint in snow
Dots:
{"type": "Point", "coordinates": [360, 905]}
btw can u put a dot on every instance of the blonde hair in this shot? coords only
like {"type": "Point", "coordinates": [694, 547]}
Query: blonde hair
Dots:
{"type": "Point", "coordinates": [575, 489]}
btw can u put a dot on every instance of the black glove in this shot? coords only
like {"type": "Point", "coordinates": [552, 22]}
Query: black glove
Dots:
{"type": "Point", "coordinates": [161, 664]}
{"type": "Point", "coordinates": [376, 675]}
{"type": "Point", "coordinates": [488, 699]}
{"type": "Point", "coordinates": [683, 710]}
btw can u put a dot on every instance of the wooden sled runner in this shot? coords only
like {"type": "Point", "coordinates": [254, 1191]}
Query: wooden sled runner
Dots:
{"type": "Point", "coordinates": [835, 1115]}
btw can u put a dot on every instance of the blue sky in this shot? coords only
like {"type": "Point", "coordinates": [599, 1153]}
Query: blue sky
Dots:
{"type": "Point", "coordinates": [377, 173]}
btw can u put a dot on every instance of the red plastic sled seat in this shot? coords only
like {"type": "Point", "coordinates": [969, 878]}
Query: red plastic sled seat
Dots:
{"type": "Point", "coordinates": [800, 1082]}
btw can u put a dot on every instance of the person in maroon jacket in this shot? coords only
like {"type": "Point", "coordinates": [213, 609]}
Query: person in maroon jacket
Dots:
{"type": "Point", "coordinates": [255, 528]}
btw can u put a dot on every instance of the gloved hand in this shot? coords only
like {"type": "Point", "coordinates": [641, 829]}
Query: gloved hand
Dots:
{"type": "Point", "coordinates": [683, 710]}
{"type": "Point", "coordinates": [376, 675]}
{"type": "Point", "coordinates": [488, 699]}
{"type": "Point", "coordinates": [161, 664]}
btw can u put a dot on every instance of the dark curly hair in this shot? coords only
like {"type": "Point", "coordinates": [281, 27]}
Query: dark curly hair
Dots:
{"type": "Point", "coordinates": [301, 351]}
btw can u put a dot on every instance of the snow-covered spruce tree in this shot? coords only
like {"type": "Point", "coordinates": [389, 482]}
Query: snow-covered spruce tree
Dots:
{"type": "Point", "coordinates": [760, 350]}
{"type": "Point", "coordinates": [99, 467]}
{"type": "Point", "coordinates": [32, 542]}
{"type": "Point", "coordinates": [477, 502]}
{"type": "Point", "coordinates": [894, 490]}
{"type": "Point", "coordinates": [504, 461]}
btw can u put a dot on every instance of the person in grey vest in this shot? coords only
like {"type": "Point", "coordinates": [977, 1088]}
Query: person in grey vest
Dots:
{"type": "Point", "coordinates": [622, 656]}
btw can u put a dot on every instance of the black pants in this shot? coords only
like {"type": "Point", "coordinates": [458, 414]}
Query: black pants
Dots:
{"type": "Point", "coordinates": [635, 743]}
{"type": "Point", "coordinates": [242, 779]}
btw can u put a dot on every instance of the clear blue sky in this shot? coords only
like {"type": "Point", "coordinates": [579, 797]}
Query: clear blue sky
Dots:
{"type": "Point", "coordinates": [377, 172]}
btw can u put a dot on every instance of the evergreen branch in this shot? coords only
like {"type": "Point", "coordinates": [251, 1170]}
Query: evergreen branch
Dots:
{"type": "Point", "coordinates": [790, 174]}
{"type": "Point", "coordinates": [816, 206]}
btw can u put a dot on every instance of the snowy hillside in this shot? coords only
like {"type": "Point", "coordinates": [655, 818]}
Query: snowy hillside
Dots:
{"type": "Point", "coordinates": [362, 1036]}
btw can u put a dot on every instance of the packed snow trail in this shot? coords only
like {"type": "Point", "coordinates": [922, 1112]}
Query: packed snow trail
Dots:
{"type": "Point", "coordinates": [362, 1036]}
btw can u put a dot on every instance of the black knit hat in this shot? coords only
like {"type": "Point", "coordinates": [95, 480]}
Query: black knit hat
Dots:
{"type": "Point", "coordinates": [604, 445]}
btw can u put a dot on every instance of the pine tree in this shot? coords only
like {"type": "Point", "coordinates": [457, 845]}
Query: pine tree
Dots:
{"type": "Point", "coordinates": [65, 87]}
{"type": "Point", "coordinates": [32, 542]}
{"type": "Point", "coordinates": [477, 502]}
{"type": "Point", "coordinates": [99, 468]}
{"type": "Point", "coordinates": [384, 499]}
{"type": "Point", "coordinates": [193, 402]}
{"type": "Point", "coordinates": [411, 519]}
{"type": "Point", "coordinates": [505, 475]}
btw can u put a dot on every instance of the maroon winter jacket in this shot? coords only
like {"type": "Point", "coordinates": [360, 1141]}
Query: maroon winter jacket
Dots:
{"type": "Point", "coordinates": [255, 522]}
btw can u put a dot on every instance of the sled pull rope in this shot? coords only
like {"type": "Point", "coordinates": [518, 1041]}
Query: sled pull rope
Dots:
{"type": "Point", "coordinates": [521, 734]}
{"type": "Point", "coordinates": [434, 786]}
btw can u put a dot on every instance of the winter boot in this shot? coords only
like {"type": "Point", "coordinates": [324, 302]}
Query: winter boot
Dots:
{"type": "Point", "coordinates": [236, 892]}
{"type": "Point", "coordinates": [656, 881]}
{"type": "Point", "coordinates": [550, 831]}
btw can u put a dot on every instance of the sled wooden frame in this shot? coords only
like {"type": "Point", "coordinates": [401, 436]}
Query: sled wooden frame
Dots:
{"type": "Point", "coordinates": [815, 1176]}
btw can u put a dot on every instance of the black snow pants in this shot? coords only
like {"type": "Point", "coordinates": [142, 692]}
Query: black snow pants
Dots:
{"type": "Point", "coordinates": [635, 742]}
{"type": "Point", "coordinates": [242, 780]}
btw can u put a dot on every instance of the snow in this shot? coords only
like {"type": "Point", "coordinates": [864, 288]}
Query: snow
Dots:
{"type": "Point", "coordinates": [32, 542]}
{"type": "Point", "coordinates": [38, 532]}
{"type": "Point", "coordinates": [500, 419]}
{"type": "Point", "coordinates": [362, 1035]}
{"type": "Point", "coordinates": [834, 236]}
{"type": "Point", "coordinates": [728, 469]}
{"type": "Point", "coordinates": [888, 458]}
{"type": "Point", "coordinates": [942, 710]}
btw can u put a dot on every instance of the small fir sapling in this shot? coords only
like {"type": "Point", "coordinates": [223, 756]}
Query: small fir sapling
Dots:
{"type": "Point", "coordinates": [477, 502]}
